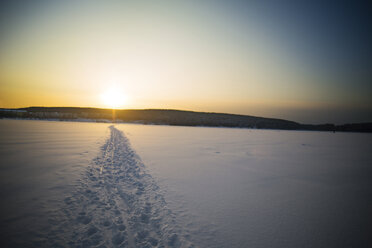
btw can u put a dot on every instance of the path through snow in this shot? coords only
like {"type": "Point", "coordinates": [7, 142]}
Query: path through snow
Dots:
{"type": "Point", "coordinates": [118, 204]}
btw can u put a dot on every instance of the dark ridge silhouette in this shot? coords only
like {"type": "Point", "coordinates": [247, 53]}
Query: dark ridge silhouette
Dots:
{"type": "Point", "coordinates": [174, 117]}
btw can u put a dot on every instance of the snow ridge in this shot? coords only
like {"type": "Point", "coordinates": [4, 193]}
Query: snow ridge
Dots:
{"type": "Point", "coordinates": [118, 204]}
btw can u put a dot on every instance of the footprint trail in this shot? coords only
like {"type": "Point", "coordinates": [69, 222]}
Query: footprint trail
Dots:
{"type": "Point", "coordinates": [118, 204]}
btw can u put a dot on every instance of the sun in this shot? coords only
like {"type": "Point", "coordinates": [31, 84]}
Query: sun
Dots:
{"type": "Point", "coordinates": [113, 97]}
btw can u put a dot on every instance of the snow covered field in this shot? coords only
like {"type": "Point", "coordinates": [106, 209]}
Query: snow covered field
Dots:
{"type": "Point", "coordinates": [262, 188]}
{"type": "Point", "coordinates": [70, 184]}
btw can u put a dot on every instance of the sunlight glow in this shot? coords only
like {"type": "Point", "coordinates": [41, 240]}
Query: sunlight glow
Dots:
{"type": "Point", "coordinates": [113, 98]}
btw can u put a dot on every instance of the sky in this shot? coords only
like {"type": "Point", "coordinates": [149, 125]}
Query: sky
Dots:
{"type": "Point", "coordinates": [305, 61]}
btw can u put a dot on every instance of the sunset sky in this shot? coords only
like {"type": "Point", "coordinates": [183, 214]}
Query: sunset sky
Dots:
{"type": "Point", "coordinates": [308, 62]}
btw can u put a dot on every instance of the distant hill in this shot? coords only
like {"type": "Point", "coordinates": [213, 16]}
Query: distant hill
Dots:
{"type": "Point", "coordinates": [173, 117]}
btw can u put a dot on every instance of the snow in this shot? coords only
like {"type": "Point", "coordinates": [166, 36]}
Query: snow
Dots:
{"type": "Point", "coordinates": [41, 162]}
{"type": "Point", "coordinates": [262, 188]}
{"type": "Point", "coordinates": [117, 203]}
{"type": "Point", "coordinates": [71, 184]}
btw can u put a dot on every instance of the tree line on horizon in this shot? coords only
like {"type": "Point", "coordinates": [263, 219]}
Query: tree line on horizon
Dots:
{"type": "Point", "coordinates": [174, 117]}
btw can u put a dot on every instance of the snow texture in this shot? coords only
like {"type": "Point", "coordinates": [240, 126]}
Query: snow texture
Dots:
{"type": "Point", "coordinates": [262, 188]}
{"type": "Point", "coordinates": [118, 204]}
{"type": "Point", "coordinates": [70, 184]}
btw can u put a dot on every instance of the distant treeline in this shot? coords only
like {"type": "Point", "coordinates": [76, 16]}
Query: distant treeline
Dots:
{"type": "Point", "coordinates": [174, 117]}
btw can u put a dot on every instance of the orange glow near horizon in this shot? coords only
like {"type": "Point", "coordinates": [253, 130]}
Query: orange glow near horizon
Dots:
{"type": "Point", "coordinates": [171, 55]}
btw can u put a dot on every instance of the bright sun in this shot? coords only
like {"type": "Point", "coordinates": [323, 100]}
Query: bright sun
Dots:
{"type": "Point", "coordinates": [113, 97]}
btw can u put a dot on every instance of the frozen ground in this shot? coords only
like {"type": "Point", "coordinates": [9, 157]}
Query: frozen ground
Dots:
{"type": "Point", "coordinates": [41, 163]}
{"type": "Point", "coordinates": [96, 185]}
{"type": "Point", "coordinates": [110, 201]}
{"type": "Point", "coordinates": [262, 188]}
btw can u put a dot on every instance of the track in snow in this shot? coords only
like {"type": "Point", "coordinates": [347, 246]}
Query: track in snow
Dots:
{"type": "Point", "coordinates": [118, 204]}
